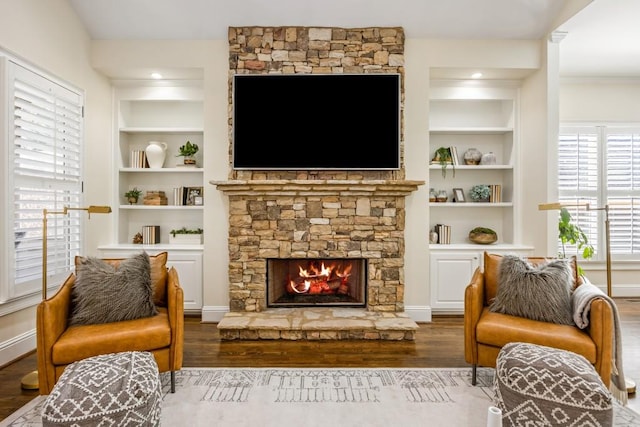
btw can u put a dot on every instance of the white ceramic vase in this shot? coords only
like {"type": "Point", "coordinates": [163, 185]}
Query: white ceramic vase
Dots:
{"type": "Point", "coordinates": [156, 152]}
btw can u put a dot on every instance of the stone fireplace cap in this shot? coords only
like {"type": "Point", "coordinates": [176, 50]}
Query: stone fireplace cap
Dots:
{"type": "Point", "coordinates": [314, 187]}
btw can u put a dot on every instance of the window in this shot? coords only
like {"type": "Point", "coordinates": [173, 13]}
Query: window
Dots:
{"type": "Point", "coordinates": [43, 160]}
{"type": "Point", "coordinates": [600, 165]}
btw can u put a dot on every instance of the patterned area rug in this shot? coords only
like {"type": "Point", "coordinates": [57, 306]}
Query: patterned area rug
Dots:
{"type": "Point", "coordinates": [319, 397]}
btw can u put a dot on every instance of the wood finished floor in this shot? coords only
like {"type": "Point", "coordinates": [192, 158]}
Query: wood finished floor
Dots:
{"type": "Point", "coordinates": [437, 344]}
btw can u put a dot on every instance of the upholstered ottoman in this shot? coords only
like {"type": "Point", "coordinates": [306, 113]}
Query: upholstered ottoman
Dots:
{"type": "Point", "coordinates": [544, 386]}
{"type": "Point", "coordinates": [109, 390]}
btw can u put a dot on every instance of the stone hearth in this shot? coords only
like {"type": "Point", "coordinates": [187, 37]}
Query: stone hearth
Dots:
{"type": "Point", "coordinates": [317, 324]}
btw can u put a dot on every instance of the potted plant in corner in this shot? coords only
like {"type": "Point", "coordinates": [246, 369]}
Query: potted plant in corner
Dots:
{"type": "Point", "coordinates": [188, 151]}
{"type": "Point", "coordinates": [443, 157]}
{"type": "Point", "coordinates": [133, 195]}
{"type": "Point", "coordinates": [570, 233]}
{"type": "Point", "coordinates": [185, 236]}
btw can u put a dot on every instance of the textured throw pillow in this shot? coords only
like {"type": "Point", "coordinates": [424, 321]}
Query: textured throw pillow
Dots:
{"type": "Point", "coordinates": [541, 292]}
{"type": "Point", "coordinates": [105, 293]}
{"type": "Point", "coordinates": [158, 274]}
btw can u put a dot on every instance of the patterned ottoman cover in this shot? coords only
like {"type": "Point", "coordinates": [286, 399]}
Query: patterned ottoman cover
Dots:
{"type": "Point", "coordinates": [544, 386]}
{"type": "Point", "coordinates": [108, 390]}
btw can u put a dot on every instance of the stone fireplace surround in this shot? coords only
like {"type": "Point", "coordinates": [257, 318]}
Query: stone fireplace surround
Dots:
{"type": "Point", "coordinates": [316, 214]}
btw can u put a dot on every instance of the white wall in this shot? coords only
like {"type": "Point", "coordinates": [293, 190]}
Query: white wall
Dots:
{"type": "Point", "coordinates": [49, 35]}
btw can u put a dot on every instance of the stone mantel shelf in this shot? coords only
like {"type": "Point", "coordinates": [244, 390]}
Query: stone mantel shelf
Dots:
{"type": "Point", "coordinates": [316, 187]}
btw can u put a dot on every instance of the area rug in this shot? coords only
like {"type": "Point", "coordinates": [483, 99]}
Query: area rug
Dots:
{"type": "Point", "coordinates": [310, 397]}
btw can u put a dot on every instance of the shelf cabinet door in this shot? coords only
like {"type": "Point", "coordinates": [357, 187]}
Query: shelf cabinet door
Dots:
{"type": "Point", "coordinates": [450, 273]}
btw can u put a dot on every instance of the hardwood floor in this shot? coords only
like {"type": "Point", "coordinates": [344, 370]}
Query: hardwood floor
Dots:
{"type": "Point", "coordinates": [437, 344]}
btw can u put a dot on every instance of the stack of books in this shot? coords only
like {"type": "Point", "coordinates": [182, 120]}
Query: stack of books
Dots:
{"type": "Point", "coordinates": [444, 234]}
{"type": "Point", "coordinates": [138, 159]}
{"type": "Point", "coordinates": [496, 193]}
{"type": "Point", "coordinates": [155, 198]}
{"type": "Point", "coordinates": [150, 234]}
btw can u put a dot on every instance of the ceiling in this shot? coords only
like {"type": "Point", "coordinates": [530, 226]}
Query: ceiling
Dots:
{"type": "Point", "coordinates": [602, 40]}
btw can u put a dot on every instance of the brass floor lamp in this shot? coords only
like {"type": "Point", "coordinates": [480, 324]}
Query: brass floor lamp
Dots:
{"type": "Point", "coordinates": [631, 385]}
{"type": "Point", "coordinates": [30, 381]}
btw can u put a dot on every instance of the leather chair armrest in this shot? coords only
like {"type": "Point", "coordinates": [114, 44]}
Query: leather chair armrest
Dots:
{"type": "Point", "coordinates": [601, 330]}
{"type": "Point", "coordinates": [51, 321]}
{"type": "Point", "coordinates": [175, 309]}
{"type": "Point", "coordinates": [473, 306]}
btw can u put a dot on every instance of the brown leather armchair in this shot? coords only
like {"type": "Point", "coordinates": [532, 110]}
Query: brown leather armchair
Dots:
{"type": "Point", "coordinates": [485, 332]}
{"type": "Point", "coordinates": [59, 345]}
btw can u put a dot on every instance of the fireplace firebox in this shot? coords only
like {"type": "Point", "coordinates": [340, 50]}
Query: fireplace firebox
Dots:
{"type": "Point", "coordinates": [296, 282]}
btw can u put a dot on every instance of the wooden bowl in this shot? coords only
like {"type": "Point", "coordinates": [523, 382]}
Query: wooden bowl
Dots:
{"type": "Point", "coordinates": [483, 238]}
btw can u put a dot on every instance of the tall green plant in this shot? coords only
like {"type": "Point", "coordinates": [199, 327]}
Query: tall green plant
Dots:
{"type": "Point", "coordinates": [570, 233]}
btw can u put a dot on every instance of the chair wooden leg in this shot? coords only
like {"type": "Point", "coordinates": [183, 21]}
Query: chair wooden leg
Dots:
{"type": "Point", "coordinates": [473, 374]}
{"type": "Point", "coordinates": [173, 382]}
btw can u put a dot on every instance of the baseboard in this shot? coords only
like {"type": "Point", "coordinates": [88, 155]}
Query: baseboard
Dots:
{"type": "Point", "coordinates": [419, 313]}
{"type": "Point", "coordinates": [213, 314]}
{"type": "Point", "coordinates": [17, 347]}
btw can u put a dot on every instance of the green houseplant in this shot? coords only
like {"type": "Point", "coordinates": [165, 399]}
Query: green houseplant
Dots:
{"type": "Point", "coordinates": [185, 235]}
{"type": "Point", "coordinates": [133, 195]}
{"type": "Point", "coordinates": [570, 233]}
{"type": "Point", "coordinates": [188, 151]}
{"type": "Point", "coordinates": [443, 157]}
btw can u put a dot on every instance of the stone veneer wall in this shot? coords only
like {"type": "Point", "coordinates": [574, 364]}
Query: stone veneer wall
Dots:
{"type": "Point", "coordinates": [316, 214]}
{"type": "Point", "coordinates": [292, 50]}
{"type": "Point", "coordinates": [316, 219]}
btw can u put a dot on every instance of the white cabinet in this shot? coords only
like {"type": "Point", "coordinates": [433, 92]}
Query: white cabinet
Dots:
{"type": "Point", "coordinates": [450, 273]}
{"type": "Point", "coordinates": [145, 112]}
{"type": "Point", "coordinates": [187, 262]}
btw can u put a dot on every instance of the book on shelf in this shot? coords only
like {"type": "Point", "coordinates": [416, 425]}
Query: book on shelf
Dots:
{"type": "Point", "coordinates": [453, 151]}
{"type": "Point", "coordinates": [138, 159]}
{"type": "Point", "coordinates": [444, 234]}
{"type": "Point", "coordinates": [188, 196]}
{"type": "Point", "coordinates": [495, 195]}
{"type": "Point", "coordinates": [150, 234]}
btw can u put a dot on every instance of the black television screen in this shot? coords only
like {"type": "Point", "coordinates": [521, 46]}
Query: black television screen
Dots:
{"type": "Point", "coordinates": [316, 121]}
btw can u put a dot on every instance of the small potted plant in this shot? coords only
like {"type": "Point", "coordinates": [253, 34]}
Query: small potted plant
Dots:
{"type": "Point", "coordinates": [443, 157]}
{"type": "Point", "coordinates": [188, 151]}
{"type": "Point", "coordinates": [133, 195]}
{"type": "Point", "coordinates": [480, 193]}
{"type": "Point", "coordinates": [186, 236]}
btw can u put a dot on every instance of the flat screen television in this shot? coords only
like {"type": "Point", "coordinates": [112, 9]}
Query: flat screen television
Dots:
{"type": "Point", "coordinates": [316, 121]}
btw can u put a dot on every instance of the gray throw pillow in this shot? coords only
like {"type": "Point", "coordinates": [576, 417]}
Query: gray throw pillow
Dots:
{"type": "Point", "coordinates": [103, 293]}
{"type": "Point", "coordinates": [541, 292]}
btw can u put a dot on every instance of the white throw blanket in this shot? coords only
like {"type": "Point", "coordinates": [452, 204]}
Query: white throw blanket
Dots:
{"type": "Point", "coordinates": [581, 304]}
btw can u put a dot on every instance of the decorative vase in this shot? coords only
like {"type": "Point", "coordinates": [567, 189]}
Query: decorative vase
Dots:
{"type": "Point", "coordinates": [189, 160]}
{"type": "Point", "coordinates": [433, 237]}
{"type": "Point", "coordinates": [133, 200]}
{"type": "Point", "coordinates": [442, 196]}
{"type": "Point", "coordinates": [472, 156]}
{"type": "Point", "coordinates": [488, 159]}
{"type": "Point", "coordinates": [156, 152]}
{"type": "Point", "coordinates": [432, 195]}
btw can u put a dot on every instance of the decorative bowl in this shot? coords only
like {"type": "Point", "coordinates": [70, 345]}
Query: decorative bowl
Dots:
{"type": "Point", "coordinates": [483, 237]}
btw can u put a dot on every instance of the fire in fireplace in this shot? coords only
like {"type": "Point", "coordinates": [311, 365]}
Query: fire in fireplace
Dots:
{"type": "Point", "coordinates": [320, 281]}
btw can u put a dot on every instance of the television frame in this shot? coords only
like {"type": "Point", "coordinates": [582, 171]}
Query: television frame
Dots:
{"type": "Point", "coordinates": [395, 162]}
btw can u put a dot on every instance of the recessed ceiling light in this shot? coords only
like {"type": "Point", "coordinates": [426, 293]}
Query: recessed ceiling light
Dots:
{"type": "Point", "coordinates": [156, 75]}
{"type": "Point", "coordinates": [476, 75]}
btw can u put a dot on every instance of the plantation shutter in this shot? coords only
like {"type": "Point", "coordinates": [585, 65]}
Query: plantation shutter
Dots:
{"type": "Point", "coordinates": [623, 190]}
{"type": "Point", "coordinates": [45, 135]}
{"type": "Point", "coordinates": [578, 179]}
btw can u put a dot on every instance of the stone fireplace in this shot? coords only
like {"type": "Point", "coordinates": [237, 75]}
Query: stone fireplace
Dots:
{"type": "Point", "coordinates": [306, 216]}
